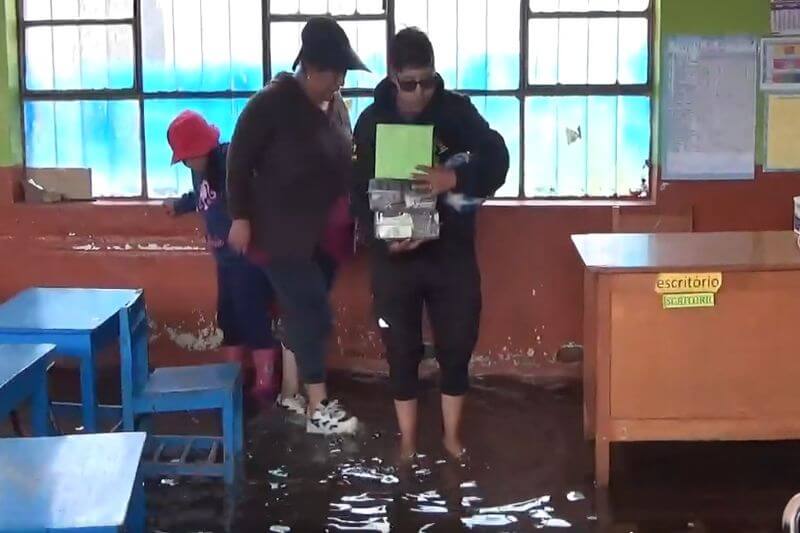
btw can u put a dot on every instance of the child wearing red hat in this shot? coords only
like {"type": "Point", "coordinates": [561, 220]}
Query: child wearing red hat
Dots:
{"type": "Point", "coordinates": [244, 293]}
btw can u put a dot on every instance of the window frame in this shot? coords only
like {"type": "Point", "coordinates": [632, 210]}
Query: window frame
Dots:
{"type": "Point", "coordinates": [524, 91]}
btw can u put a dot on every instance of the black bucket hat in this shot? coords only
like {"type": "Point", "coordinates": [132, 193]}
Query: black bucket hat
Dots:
{"type": "Point", "coordinates": [326, 46]}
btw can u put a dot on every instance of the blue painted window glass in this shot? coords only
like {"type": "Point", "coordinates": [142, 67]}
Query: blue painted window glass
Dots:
{"type": "Point", "coordinates": [101, 135]}
{"type": "Point", "coordinates": [201, 46]}
{"type": "Point", "coordinates": [166, 180]}
{"type": "Point", "coordinates": [368, 38]}
{"type": "Point", "coordinates": [77, 9]}
{"type": "Point", "coordinates": [332, 7]}
{"type": "Point", "coordinates": [79, 57]}
{"type": "Point", "coordinates": [578, 146]}
{"type": "Point", "coordinates": [477, 47]}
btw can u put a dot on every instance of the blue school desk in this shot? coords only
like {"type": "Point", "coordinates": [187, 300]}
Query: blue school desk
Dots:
{"type": "Point", "coordinates": [23, 376]}
{"type": "Point", "coordinates": [75, 483]}
{"type": "Point", "coordinates": [79, 322]}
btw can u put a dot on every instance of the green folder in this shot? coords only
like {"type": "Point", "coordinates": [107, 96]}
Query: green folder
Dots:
{"type": "Point", "coordinates": [400, 148]}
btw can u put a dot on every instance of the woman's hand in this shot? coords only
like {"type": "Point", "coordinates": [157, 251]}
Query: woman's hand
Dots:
{"type": "Point", "coordinates": [239, 235]}
{"type": "Point", "coordinates": [404, 246]}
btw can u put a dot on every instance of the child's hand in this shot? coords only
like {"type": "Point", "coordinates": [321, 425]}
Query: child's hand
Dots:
{"type": "Point", "coordinates": [169, 206]}
{"type": "Point", "coordinates": [239, 236]}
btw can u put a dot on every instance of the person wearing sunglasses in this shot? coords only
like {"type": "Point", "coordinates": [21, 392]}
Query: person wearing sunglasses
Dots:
{"type": "Point", "coordinates": [471, 162]}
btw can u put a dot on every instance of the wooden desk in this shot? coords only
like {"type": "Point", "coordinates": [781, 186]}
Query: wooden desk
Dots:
{"type": "Point", "coordinates": [728, 372]}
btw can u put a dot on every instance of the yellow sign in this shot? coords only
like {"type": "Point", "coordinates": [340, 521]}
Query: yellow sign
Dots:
{"type": "Point", "coordinates": [689, 282]}
{"type": "Point", "coordinates": [685, 301]}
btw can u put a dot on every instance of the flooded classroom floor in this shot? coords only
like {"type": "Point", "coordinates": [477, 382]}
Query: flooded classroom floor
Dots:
{"type": "Point", "coordinates": [528, 469]}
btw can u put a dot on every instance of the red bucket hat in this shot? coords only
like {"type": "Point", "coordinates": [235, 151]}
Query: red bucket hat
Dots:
{"type": "Point", "coordinates": [190, 135]}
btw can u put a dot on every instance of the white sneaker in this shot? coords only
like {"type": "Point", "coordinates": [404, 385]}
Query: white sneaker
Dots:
{"type": "Point", "coordinates": [329, 418]}
{"type": "Point", "coordinates": [296, 403]}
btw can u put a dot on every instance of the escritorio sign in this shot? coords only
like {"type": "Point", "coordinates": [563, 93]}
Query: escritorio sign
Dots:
{"type": "Point", "coordinates": [689, 282]}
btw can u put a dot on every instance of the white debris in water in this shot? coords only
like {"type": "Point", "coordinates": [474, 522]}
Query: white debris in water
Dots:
{"type": "Point", "coordinates": [556, 522]}
{"type": "Point", "coordinates": [441, 461]}
{"type": "Point", "coordinates": [169, 482]}
{"type": "Point", "coordinates": [467, 501]}
{"type": "Point", "coordinates": [279, 472]}
{"type": "Point", "coordinates": [426, 527]}
{"type": "Point", "coordinates": [489, 520]}
{"type": "Point", "coordinates": [469, 485]}
{"type": "Point", "coordinates": [423, 472]}
{"type": "Point", "coordinates": [438, 509]}
{"type": "Point", "coordinates": [389, 479]}
{"type": "Point", "coordinates": [280, 529]}
{"type": "Point", "coordinates": [518, 507]}
{"type": "Point", "coordinates": [383, 324]}
{"type": "Point", "coordinates": [575, 496]}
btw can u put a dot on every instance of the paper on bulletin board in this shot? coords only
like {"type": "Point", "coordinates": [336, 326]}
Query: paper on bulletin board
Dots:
{"type": "Point", "coordinates": [709, 107]}
{"type": "Point", "coordinates": [401, 148]}
{"type": "Point", "coordinates": [785, 16]}
{"type": "Point", "coordinates": [783, 132]}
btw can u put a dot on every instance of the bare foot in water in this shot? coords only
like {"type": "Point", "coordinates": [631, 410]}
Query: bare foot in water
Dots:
{"type": "Point", "coordinates": [408, 452]}
{"type": "Point", "coordinates": [454, 448]}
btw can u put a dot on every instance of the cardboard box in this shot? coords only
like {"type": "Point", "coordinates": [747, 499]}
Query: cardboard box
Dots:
{"type": "Point", "coordinates": [70, 183]}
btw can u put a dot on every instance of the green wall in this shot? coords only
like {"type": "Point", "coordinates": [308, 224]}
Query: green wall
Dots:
{"type": "Point", "coordinates": [11, 137]}
{"type": "Point", "coordinates": [716, 17]}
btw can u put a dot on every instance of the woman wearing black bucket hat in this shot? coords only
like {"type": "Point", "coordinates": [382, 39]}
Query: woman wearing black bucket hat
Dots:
{"type": "Point", "coordinates": [288, 163]}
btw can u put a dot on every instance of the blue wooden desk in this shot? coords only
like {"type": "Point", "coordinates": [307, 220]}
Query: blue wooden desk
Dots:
{"type": "Point", "coordinates": [72, 483]}
{"type": "Point", "coordinates": [80, 322]}
{"type": "Point", "coordinates": [23, 376]}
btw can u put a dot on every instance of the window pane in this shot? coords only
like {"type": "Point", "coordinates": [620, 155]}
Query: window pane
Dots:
{"type": "Point", "coordinates": [313, 7]}
{"type": "Point", "coordinates": [573, 42]}
{"type": "Point", "coordinates": [79, 57]}
{"type": "Point", "coordinates": [101, 135]}
{"type": "Point", "coordinates": [368, 39]}
{"type": "Point", "coordinates": [576, 146]}
{"type": "Point", "coordinates": [633, 51]}
{"type": "Point", "coordinates": [77, 9]}
{"type": "Point", "coordinates": [573, 5]}
{"type": "Point", "coordinates": [284, 7]}
{"type": "Point", "coordinates": [370, 7]}
{"type": "Point", "coordinates": [633, 5]}
{"type": "Point", "coordinates": [603, 51]}
{"type": "Point", "coordinates": [478, 48]}
{"type": "Point", "coordinates": [603, 5]}
{"type": "Point", "coordinates": [601, 142]}
{"type": "Point", "coordinates": [541, 115]}
{"type": "Point", "coordinates": [633, 142]}
{"type": "Point", "coordinates": [356, 106]}
{"type": "Point", "coordinates": [201, 46]}
{"type": "Point", "coordinates": [502, 113]}
{"type": "Point", "coordinates": [551, 6]}
{"type": "Point", "coordinates": [544, 6]}
{"type": "Point", "coordinates": [163, 179]}
{"type": "Point", "coordinates": [543, 51]}
{"type": "Point", "coordinates": [341, 7]}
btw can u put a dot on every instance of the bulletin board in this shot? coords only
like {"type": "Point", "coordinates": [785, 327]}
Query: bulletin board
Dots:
{"type": "Point", "coordinates": [709, 98]}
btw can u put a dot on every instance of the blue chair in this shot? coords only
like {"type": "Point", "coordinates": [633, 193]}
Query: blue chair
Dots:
{"type": "Point", "coordinates": [185, 388]}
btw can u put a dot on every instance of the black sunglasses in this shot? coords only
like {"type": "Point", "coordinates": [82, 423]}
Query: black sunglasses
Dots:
{"type": "Point", "coordinates": [410, 86]}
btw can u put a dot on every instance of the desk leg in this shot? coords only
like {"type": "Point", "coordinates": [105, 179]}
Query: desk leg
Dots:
{"type": "Point", "coordinates": [40, 412]}
{"type": "Point", "coordinates": [137, 515]}
{"type": "Point", "coordinates": [89, 390]}
{"type": "Point", "coordinates": [602, 461]}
